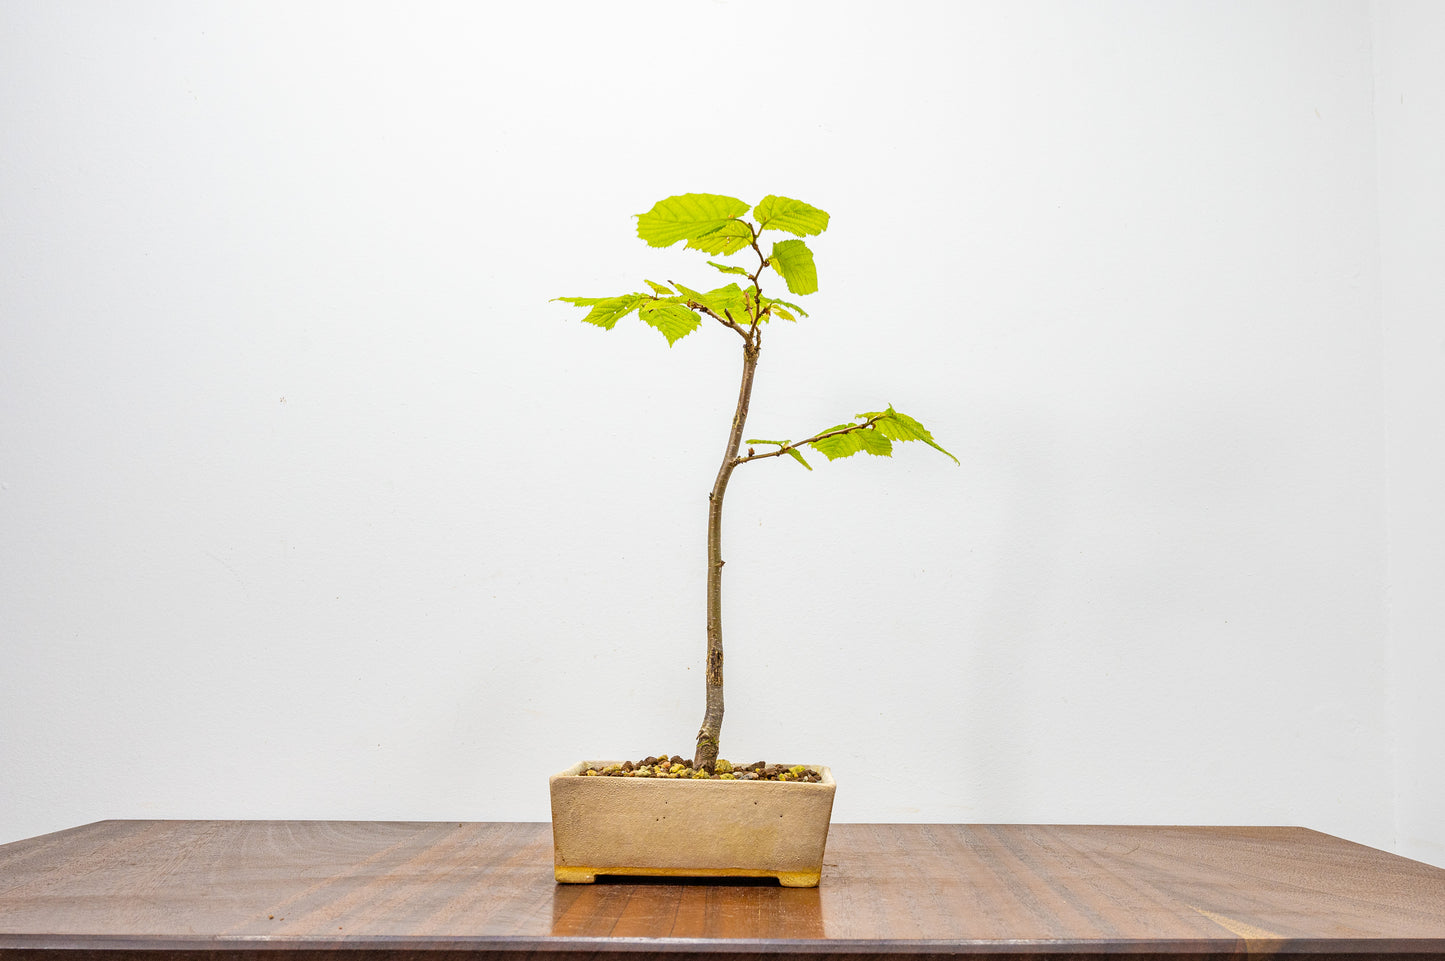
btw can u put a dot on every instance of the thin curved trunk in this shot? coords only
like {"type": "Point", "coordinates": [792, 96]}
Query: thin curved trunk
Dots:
{"type": "Point", "coordinates": [711, 730]}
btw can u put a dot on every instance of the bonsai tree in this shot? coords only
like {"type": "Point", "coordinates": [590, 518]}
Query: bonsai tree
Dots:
{"type": "Point", "coordinates": [716, 225]}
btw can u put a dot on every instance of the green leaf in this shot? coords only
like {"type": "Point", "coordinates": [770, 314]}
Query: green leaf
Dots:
{"type": "Point", "coordinates": [731, 237]}
{"type": "Point", "coordinates": [877, 437]}
{"type": "Point", "coordinates": [839, 445]}
{"type": "Point", "coordinates": [783, 309]}
{"type": "Point", "coordinates": [688, 217]}
{"type": "Point", "coordinates": [856, 438]}
{"type": "Point", "coordinates": [730, 300]}
{"type": "Point", "coordinates": [727, 268]}
{"type": "Point", "coordinates": [661, 290]}
{"type": "Point", "coordinates": [875, 443]}
{"type": "Point", "coordinates": [688, 294]}
{"type": "Point", "coordinates": [794, 261]}
{"type": "Point", "coordinates": [899, 426]}
{"type": "Point", "coordinates": [671, 319]}
{"type": "Point", "coordinates": [792, 452]}
{"type": "Point", "coordinates": [792, 308]}
{"type": "Point", "coordinates": [794, 216]}
{"type": "Point", "coordinates": [607, 311]}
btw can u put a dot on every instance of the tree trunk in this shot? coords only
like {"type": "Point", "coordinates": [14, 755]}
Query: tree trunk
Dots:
{"type": "Point", "coordinates": [707, 736]}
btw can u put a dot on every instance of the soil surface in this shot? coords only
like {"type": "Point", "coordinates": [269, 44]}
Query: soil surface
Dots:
{"type": "Point", "coordinates": [678, 766]}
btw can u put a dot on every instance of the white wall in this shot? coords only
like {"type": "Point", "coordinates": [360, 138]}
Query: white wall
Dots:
{"type": "Point", "coordinates": [1410, 104]}
{"type": "Point", "coordinates": [314, 506]}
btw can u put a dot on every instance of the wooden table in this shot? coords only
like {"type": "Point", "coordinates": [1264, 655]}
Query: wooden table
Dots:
{"type": "Point", "coordinates": [377, 891]}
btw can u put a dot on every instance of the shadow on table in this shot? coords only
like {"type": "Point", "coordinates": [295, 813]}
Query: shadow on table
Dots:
{"type": "Point", "coordinates": [639, 907]}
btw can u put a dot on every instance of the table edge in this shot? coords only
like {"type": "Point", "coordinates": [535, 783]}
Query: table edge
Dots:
{"type": "Point", "coordinates": [157, 946]}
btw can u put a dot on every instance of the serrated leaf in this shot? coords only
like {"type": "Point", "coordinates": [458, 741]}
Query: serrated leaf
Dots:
{"type": "Point", "coordinates": [794, 216]}
{"type": "Point", "coordinates": [770, 302]}
{"type": "Point", "coordinates": [855, 439]}
{"type": "Point", "coordinates": [875, 443]}
{"type": "Point", "coordinates": [839, 445]}
{"type": "Point", "coordinates": [687, 292]}
{"type": "Point", "coordinates": [689, 295]}
{"type": "Point", "coordinates": [898, 426]}
{"type": "Point", "coordinates": [607, 311]}
{"type": "Point", "coordinates": [774, 309]}
{"type": "Point", "coordinates": [794, 261]}
{"type": "Point", "coordinates": [793, 452]}
{"type": "Point", "coordinates": [688, 217]}
{"type": "Point", "coordinates": [731, 300]}
{"type": "Point", "coordinates": [727, 268]}
{"type": "Point", "coordinates": [671, 319]}
{"type": "Point", "coordinates": [663, 291]}
{"type": "Point", "coordinates": [731, 237]}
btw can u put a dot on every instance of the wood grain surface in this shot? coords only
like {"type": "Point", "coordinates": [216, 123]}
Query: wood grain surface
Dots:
{"type": "Point", "coordinates": [211, 889]}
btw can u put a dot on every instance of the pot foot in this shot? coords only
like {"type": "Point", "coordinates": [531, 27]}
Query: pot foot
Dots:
{"type": "Point", "coordinates": [799, 879]}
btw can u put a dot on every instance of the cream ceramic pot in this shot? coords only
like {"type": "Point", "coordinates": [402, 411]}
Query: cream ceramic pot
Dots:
{"type": "Point", "coordinates": [687, 827]}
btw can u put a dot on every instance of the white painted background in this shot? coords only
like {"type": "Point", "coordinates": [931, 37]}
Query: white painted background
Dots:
{"type": "Point", "coordinates": [313, 506]}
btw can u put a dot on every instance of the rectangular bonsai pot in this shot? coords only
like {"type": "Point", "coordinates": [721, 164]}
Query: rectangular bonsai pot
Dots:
{"type": "Point", "coordinates": [689, 827]}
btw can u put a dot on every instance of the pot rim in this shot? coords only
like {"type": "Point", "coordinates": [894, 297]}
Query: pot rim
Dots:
{"type": "Point", "coordinates": [824, 772]}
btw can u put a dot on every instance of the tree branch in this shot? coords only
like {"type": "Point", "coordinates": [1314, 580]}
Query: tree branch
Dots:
{"type": "Point", "coordinates": [758, 309]}
{"type": "Point", "coordinates": [725, 321]}
{"type": "Point", "coordinates": [836, 432]}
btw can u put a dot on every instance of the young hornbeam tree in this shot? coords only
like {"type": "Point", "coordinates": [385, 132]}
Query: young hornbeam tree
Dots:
{"type": "Point", "coordinates": [715, 225]}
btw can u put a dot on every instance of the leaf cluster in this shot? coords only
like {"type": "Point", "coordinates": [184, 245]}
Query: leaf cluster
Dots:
{"type": "Point", "coordinates": [715, 225]}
